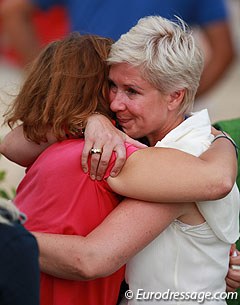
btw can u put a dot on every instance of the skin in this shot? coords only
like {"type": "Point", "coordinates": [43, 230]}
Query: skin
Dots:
{"type": "Point", "coordinates": [120, 236]}
{"type": "Point", "coordinates": [232, 278]}
{"type": "Point", "coordinates": [117, 239]}
{"type": "Point", "coordinates": [16, 22]}
{"type": "Point", "coordinates": [126, 99]}
{"type": "Point", "coordinates": [18, 149]}
{"type": "Point", "coordinates": [80, 267]}
{"type": "Point", "coordinates": [114, 249]}
{"type": "Point", "coordinates": [136, 103]}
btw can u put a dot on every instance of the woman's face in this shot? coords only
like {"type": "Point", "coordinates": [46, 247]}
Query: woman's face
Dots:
{"type": "Point", "coordinates": [141, 109]}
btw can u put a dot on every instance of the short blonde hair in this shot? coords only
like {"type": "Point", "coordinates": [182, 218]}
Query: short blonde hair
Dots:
{"type": "Point", "coordinates": [166, 53]}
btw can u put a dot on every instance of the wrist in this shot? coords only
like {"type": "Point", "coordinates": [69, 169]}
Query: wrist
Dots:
{"type": "Point", "coordinates": [101, 117]}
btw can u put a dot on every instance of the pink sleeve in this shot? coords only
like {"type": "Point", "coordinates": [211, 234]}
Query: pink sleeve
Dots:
{"type": "Point", "coordinates": [129, 150]}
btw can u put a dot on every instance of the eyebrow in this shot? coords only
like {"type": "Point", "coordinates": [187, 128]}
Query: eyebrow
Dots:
{"type": "Point", "coordinates": [134, 87]}
{"type": "Point", "coordinates": [127, 85]}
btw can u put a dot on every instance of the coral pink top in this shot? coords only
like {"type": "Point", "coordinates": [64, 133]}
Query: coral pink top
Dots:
{"type": "Point", "coordinates": [58, 197]}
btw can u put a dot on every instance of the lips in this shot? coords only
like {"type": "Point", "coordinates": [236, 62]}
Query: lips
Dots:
{"type": "Point", "coordinates": [123, 121]}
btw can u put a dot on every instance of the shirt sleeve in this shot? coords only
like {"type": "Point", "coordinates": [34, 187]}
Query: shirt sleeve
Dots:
{"type": "Point", "coordinates": [129, 150]}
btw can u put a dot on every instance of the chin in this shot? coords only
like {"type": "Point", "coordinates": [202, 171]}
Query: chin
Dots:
{"type": "Point", "coordinates": [133, 133]}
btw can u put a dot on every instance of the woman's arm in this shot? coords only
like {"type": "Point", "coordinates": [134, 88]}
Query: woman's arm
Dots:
{"type": "Point", "coordinates": [24, 152]}
{"type": "Point", "coordinates": [194, 179]}
{"type": "Point", "coordinates": [100, 133]}
{"type": "Point", "coordinates": [168, 175]}
{"type": "Point", "coordinates": [18, 149]}
{"type": "Point", "coordinates": [127, 229]}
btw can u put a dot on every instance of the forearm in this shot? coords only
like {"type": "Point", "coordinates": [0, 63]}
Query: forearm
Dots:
{"type": "Point", "coordinates": [223, 161]}
{"type": "Point", "coordinates": [168, 175]}
{"type": "Point", "coordinates": [59, 255]}
{"type": "Point", "coordinates": [18, 149]}
{"type": "Point", "coordinates": [110, 245]}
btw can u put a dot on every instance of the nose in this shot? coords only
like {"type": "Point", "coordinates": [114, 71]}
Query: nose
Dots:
{"type": "Point", "coordinates": [117, 101]}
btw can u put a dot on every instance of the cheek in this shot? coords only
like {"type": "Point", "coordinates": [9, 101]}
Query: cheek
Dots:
{"type": "Point", "coordinates": [143, 110]}
{"type": "Point", "coordinates": [150, 113]}
{"type": "Point", "coordinates": [111, 96]}
{"type": "Point", "coordinates": [111, 100]}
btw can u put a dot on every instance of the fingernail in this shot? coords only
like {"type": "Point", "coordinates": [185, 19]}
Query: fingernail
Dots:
{"type": "Point", "coordinates": [85, 170]}
{"type": "Point", "coordinates": [93, 177]}
{"type": "Point", "coordinates": [99, 178]}
{"type": "Point", "coordinates": [113, 174]}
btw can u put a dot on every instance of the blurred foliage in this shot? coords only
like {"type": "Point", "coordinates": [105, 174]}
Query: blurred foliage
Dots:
{"type": "Point", "coordinates": [7, 194]}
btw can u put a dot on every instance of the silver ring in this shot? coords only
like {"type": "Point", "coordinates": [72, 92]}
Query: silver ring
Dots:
{"type": "Point", "coordinates": [96, 151]}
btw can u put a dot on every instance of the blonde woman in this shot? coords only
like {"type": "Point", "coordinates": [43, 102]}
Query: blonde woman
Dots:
{"type": "Point", "coordinates": [60, 198]}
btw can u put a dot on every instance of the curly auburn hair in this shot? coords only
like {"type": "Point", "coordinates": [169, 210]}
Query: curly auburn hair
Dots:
{"type": "Point", "coordinates": [66, 83]}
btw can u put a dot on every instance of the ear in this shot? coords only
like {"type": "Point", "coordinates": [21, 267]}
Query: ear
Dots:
{"type": "Point", "coordinates": [176, 99]}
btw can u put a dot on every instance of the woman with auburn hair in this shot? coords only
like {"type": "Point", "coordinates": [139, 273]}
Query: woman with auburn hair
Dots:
{"type": "Point", "coordinates": [60, 198]}
{"type": "Point", "coordinates": [66, 83]}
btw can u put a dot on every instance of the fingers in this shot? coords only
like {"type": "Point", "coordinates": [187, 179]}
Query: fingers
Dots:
{"type": "Point", "coordinates": [120, 159]}
{"type": "Point", "coordinates": [85, 154]}
{"type": "Point", "coordinates": [101, 134]}
{"type": "Point", "coordinates": [100, 162]}
{"type": "Point", "coordinates": [230, 289]}
{"type": "Point", "coordinates": [233, 280]}
{"type": "Point", "coordinates": [121, 156]}
{"type": "Point", "coordinates": [134, 142]}
{"type": "Point", "coordinates": [95, 159]}
{"type": "Point", "coordinates": [98, 170]}
{"type": "Point", "coordinates": [235, 258]}
{"type": "Point", "coordinates": [233, 276]}
{"type": "Point", "coordinates": [233, 249]}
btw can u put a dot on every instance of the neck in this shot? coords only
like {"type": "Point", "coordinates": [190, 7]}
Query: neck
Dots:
{"type": "Point", "coordinates": [160, 134]}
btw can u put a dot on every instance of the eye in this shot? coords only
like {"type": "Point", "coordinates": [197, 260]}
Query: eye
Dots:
{"type": "Point", "coordinates": [112, 86]}
{"type": "Point", "coordinates": [130, 91]}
